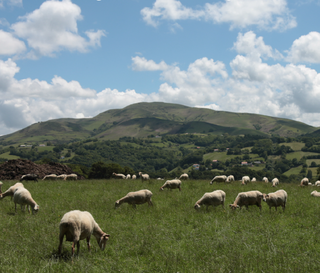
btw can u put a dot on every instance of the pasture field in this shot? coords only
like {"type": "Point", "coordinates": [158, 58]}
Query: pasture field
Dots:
{"type": "Point", "coordinates": [171, 236]}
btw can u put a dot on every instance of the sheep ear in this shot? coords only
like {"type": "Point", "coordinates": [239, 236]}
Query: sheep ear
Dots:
{"type": "Point", "coordinates": [230, 205]}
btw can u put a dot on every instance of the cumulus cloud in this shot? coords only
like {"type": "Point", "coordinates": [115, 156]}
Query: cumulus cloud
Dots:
{"type": "Point", "coordinates": [53, 27]}
{"type": "Point", "coordinates": [272, 15]}
{"type": "Point", "coordinates": [142, 64]}
{"type": "Point", "coordinates": [305, 49]}
{"type": "Point", "coordinates": [11, 3]}
{"type": "Point", "coordinates": [10, 45]}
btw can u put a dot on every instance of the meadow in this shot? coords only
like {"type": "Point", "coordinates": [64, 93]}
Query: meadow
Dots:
{"type": "Point", "coordinates": [171, 236]}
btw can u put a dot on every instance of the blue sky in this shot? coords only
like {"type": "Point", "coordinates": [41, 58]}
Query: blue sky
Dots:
{"type": "Point", "coordinates": [74, 59]}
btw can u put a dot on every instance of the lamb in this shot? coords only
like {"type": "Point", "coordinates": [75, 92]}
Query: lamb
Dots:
{"type": "Point", "coordinates": [247, 199]}
{"type": "Point", "coordinates": [136, 198]}
{"type": "Point", "coordinates": [315, 194]}
{"type": "Point", "coordinates": [119, 175]}
{"type": "Point", "coordinates": [253, 179]}
{"type": "Point", "coordinates": [128, 176]}
{"type": "Point", "coordinates": [50, 177]}
{"type": "Point", "coordinates": [144, 176]}
{"type": "Point", "coordinates": [230, 178]}
{"type": "Point", "coordinates": [276, 199]}
{"type": "Point", "coordinates": [184, 176]}
{"type": "Point", "coordinates": [218, 178]}
{"type": "Point", "coordinates": [10, 191]}
{"type": "Point", "coordinates": [265, 179]}
{"type": "Point", "coordinates": [72, 176]}
{"type": "Point", "coordinates": [172, 184]}
{"type": "Point", "coordinates": [304, 182]}
{"type": "Point", "coordinates": [275, 182]}
{"type": "Point", "coordinates": [29, 176]}
{"type": "Point", "coordinates": [245, 180]}
{"type": "Point", "coordinates": [23, 197]}
{"type": "Point", "coordinates": [214, 199]}
{"type": "Point", "coordinates": [317, 183]}
{"type": "Point", "coordinates": [133, 176]}
{"type": "Point", "coordinates": [78, 225]}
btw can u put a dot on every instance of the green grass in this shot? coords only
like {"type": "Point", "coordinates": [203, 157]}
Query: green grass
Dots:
{"type": "Point", "coordinates": [168, 237]}
{"type": "Point", "coordinates": [8, 156]}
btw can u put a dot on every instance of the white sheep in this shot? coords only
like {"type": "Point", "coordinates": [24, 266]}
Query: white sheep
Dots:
{"type": "Point", "coordinates": [245, 180]}
{"type": "Point", "coordinates": [133, 176]}
{"type": "Point", "coordinates": [23, 197]}
{"type": "Point", "coordinates": [184, 176]}
{"type": "Point", "coordinates": [304, 182]}
{"type": "Point", "coordinates": [230, 178]}
{"type": "Point", "coordinates": [265, 179]}
{"type": "Point", "coordinates": [128, 176]}
{"type": "Point", "coordinates": [317, 183]}
{"type": "Point", "coordinates": [119, 175]}
{"type": "Point", "coordinates": [61, 176]}
{"type": "Point", "coordinates": [218, 178]}
{"type": "Point", "coordinates": [275, 182]}
{"type": "Point", "coordinates": [10, 191]}
{"type": "Point", "coordinates": [1, 187]}
{"type": "Point", "coordinates": [172, 184]}
{"type": "Point", "coordinates": [214, 199]}
{"type": "Point", "coordinates": [253, 179]}
{"type": "Point", "coordinates": [136, 198]}
{"type": "Point", "coordinates": [144, 176]}
{"type": "Point", "coordinates": [276, 199]}
{"type": "Point", "coordinates": [246, 199]}
{"type": "Point", "coordinates": [72, 176]}
{"type": "Point", "coordinates": [315, 194]}
{"type": "Point", "coordinates": [50, 177]}
{"type": "Point", "coordinates": [78, 225]}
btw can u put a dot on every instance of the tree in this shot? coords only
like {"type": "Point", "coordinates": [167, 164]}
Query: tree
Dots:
{"type": "Point", "coordinates": [309, 175]}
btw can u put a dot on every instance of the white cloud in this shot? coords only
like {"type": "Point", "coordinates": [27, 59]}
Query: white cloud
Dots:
{"type": "Point", "coordinates": [53, 27]}
{"type": "Point", "coordinates": [142, 64]}
{"type": "Point", "coordinates": [11, 3]}
{"type": "Point", "coordinates": [271, 15]}
{"type": "Point", "coordinates": [305, 49]}
{"type": "Point", "coordinates": [10, 45]}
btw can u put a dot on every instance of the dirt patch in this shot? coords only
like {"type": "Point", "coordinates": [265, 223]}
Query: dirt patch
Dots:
{"type": "Point", "coordinates": [14, 169]}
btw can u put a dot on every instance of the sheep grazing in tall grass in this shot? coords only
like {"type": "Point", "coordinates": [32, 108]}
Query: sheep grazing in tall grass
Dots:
{"type": "Point", "coordinates": [136, 198]}
{"type": "Point", "coordinates": [276, 199]}
{"type": "Point", "coordinates": [134, 176]}
{"type": "Point", "coordinates": [61, 176]}
{"type": "Point", "coordinates": [10, 191]}
{"type": "Point", "coordinates": [118, 175]}
{"type": "Point", "coordinates": [29, 176]}
{"type": "Point", "coordinates": [184, 176]}
{"type": "Point", "coordinates": [218, 178]}
{"type": "Point", "coordinates": [72, 176]}
{"type": "Point", "coordinates": [275, 182]}
{"type": "Point", "coordinates": [317, 183]}
{"type": "Point", "coordinates": [230, 178]}
{"type": "Point", "coordinates": [304, 182]}
{"type": "Point", "coordinates": [144, 176]}
{"type": "Point", "coordinates": [50, 177]}
{"type": "Point", "coordinates": [245, 180]}
{"type": "Point", "coordinates": [171, 184]}
{"type": "Point", "coordinates": [214, 199]}
{"type": "Point", "coordinates": [265, 180]}
{"type": "Point", "coordinates": [128, 176]}
{"type": "Point", "coordinates": [315, 194]}
{"type": "Point", "coordinates": [247, 199]}
{"type": "Point", "coordinates": [23, 197]}
{"type": "Point", "coordinates": [254, 179]}
{"type": "Point", "coordinates": [78, 225]}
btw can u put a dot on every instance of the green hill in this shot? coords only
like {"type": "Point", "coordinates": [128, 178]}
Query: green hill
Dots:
{"type": "Point", "coordinates": [156, 118]}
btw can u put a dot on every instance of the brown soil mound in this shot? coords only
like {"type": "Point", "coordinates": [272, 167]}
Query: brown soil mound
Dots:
{"type": "Point", "coordinates": [14, 169]}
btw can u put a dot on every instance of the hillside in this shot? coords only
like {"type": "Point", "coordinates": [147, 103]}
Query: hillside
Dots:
{"type": "Point", "coordinates": [143, 119]}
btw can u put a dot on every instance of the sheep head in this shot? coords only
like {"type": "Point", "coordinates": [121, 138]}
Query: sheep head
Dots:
{"type": "Point", "coordinates": [233, 207]}
{"type": "Point", "coordinates": [103, 240]}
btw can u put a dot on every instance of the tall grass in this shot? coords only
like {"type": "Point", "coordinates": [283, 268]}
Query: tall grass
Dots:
{"type": "Point", "coordinates": [168, 237]}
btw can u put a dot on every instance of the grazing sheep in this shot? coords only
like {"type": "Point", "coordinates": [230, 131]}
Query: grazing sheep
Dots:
{"type": "Point", "coordinates": [72, 176]}
{"type": "Point", "coordinates": [315, 194]}
{"type": "Point", "coordinates": [119, 175]}
{"type": "Point", "coordinates": [29, 176]}
{"type": "Point", "coordinates": [245, 180]}
{"type": "Point", "coordinates": [10, 191]}
{"type": "Point", "coordinates": [78, 225]}
{"type": "Point", "coordinates": [275, 182]}
{"type": "Point", "coordinates": [23, 197]}
{"type": "Point", "coordinates": [184, 176]}
{"type": "Point", "coordinates": [133, 176]}
{"type": "Point", "coordinates": [253, 179]}
{"type": "Point", "coordinates": [247, 199]}
{"type": "Point", "coordinates": [61, 176]}
{"type": "Point", "coordinates": [310, 184]}
{"type": "Point", "coordinates": [1, 187]}
{"type": "Point", "coordinates": [317, 183]}
{"type": "Point", "coordinates": [144, 176]}
{"type": "Point", "coordinates": [230, 178]}
{"type": "Point", "coordinates": [128, 176]}
{"type": "Point", "coordinates": [214, 199]}
{"type": "Point", "coordinates": [265, 179]}
{"type": "Point", "coordinates": [218, 178]}
{"type": "Point", "coordinates": [304, 182]}
{"type": "Point", "coordinates": [136, 198]}
{"type": "Point", "coordinates": [172, 184]}
{"type": "Point", "coordinates": [276, 199]}
{"type": "Point", "coordinates": [50, 177]}
{"type": "Point", "coordinates": [159, 178]}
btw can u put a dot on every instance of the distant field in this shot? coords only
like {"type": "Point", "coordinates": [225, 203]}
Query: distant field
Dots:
{"type": "Point", "coordinates": [8, 156]}
{"type": "Point", "coordinates": [168, 237]}
{"type": "Point", "coordinates": [296, 146]}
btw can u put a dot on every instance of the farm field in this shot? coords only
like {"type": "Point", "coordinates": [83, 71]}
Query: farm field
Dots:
{"type": "Point", "coordinates": [171, 236]}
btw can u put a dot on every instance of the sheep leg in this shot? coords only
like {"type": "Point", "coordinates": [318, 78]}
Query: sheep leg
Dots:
{"type": "Point", "coordinates": [15, 206]}
{"type": "Point", "coordinates": [88, 243]}
{"type": "Point", "coordinates": [60, 243]}
{"type": "Point", "coordinates": [78, 247]}
{"type": "Point", "coordinates": [150, 203]}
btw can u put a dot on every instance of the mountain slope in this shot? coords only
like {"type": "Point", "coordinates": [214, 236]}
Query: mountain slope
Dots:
{"type": "Point", "coordinates": [143, 119]}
